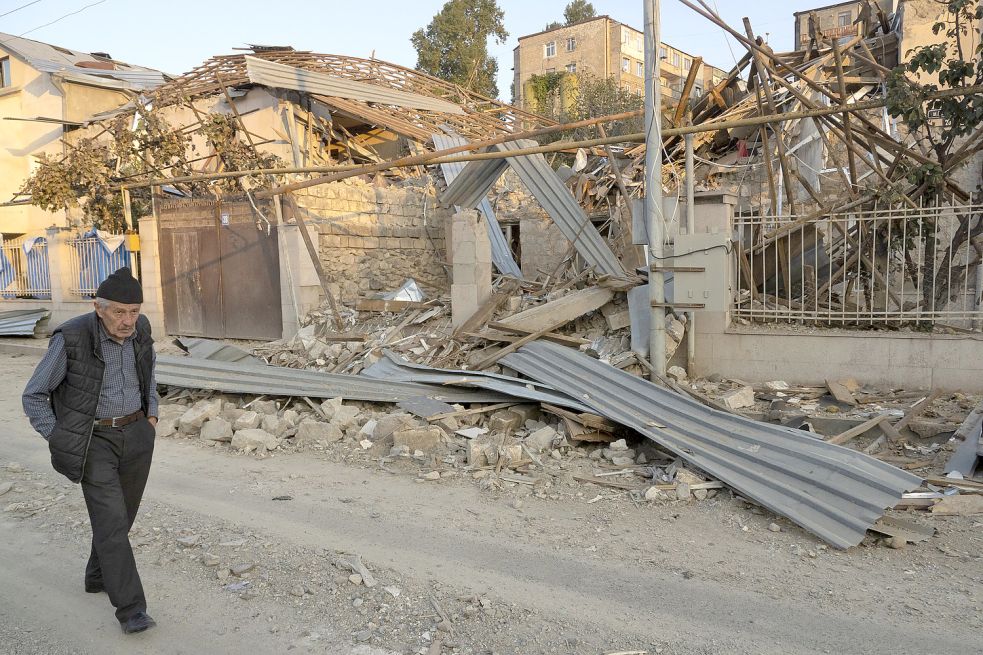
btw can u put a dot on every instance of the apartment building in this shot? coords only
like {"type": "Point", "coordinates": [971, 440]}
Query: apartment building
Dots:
{"type": "Point", "coordinates": [839, 21]}
{"type": "Point", "coordinates": [605, 48]}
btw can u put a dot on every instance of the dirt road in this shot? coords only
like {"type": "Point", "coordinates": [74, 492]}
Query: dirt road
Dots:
{"type": "Point", "coordinates": [458, 569]}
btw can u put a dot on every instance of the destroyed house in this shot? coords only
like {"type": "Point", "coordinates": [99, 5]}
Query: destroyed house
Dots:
{"type": "Point", "coordinates": [229, 262]}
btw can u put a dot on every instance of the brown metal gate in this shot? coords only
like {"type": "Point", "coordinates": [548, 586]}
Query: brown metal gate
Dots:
{"type": "Point", "coordinates": [220, 273]}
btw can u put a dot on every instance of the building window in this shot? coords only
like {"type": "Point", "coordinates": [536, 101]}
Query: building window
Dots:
{"type": "Point", "coordinates": [640, 68]}
{"type": "Point", "coordinates": [625, 35]}
{"type": "Point", "coordinates": [844, 18]}
{"type": "Point", "coordinates": [625, 64]}
{"type": "Point", "coordinates": [571, 43]}
{"type": "Point", "coordinates": [687, 63]}
{"type": "Point", "coordinates": [676, 59]}
{"type": "Point", "coordinates": [698, 90]}
{"type": "Point", "coordinates": [5, 80]}
{"type": "Point", "coordinates": [571, 68]}
{"type": "Point", "coordinates": [663, 53]}
{"type": "Point", "coordinates": [551, 49]}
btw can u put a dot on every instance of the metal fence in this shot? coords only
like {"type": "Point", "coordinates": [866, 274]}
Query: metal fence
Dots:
{"type": "Point", "coordinates": [24, 271]}
{"type": "Point", "coordinates": [884, 267]}
{"type": "Point", "coordinates": [92, 262]}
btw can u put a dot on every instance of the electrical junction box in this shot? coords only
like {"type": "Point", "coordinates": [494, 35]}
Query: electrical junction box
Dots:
{"type": "Point", "coordinates": [702, 266]}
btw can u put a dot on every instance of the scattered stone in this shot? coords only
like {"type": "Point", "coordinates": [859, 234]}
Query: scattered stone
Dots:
{"type": "Point", "coordinates": [5, 487]}
{"type": "Point", "coordinates": [542, 439]}
{"type": "Point", "coordinates": [622, 461]}
{"type": "Point", "coordinates": [166, 427]}
{"type": "Point", "coordinates": [774, 527]}
{"type": "Point", "coordinates": [207, 559]}
{"type": "Point", "coordinates": [505, 420]}
{"type": "Point", "coordinates": [432, 475]}
{"type": "Point", "coordinates": [677, 373]}
{"type": "Point", "coordinates": [250, 440]}
{"type": "Point", "coordinates": [368, 430]}
{"type": "Point", "coordinates": [365, 444]}
{"type": "Point", "coordinates": [263, 407]}
{"type": "Point", "coordinates": [189, 540]}
{"type": "Point", "coordinates": [328, 407]}
{"type": "Point", "coordinates": [297, 591]}
{"type": "Point", "coordinates": [620, 444]}
{"type": "Point", "coordinates": [216, 429]}
{"type": "Point", "coordinates": [700, 494]}
{"type": "Point", "coordinates": [363, 635]}
{"type": "Point", "coordinates": [896, 543]}
{"type": "Point", "coordinates": [654, 493]}
{"type": "Point", "coordinates": [292, 416]}
{"type": "Point", "coordinates": [392, 423]}
{"type": "Point", "coordinates": [346, 417]}
{"type": "Point", "coordinates": [393, 591]}
{"type": "Point", "coordinates": [244, 567]}
{"type": "Point", "coordinates": [275, 425]}
{"type": "Point", "coordinates": [197, 414]}
{"type": "Point", "coordinates": [682, 491]}
{"type": "Point", "coordinates": [310, 431]}
{"type": "Point", "coordinates": [425, 439]}
{"type": "Point", "coordinates": [355, 579]}
{"type": "Point", "coordinates": [738, 398]}
{"type": "Point", "coordinates": [248, 420]}
{"type": "Point", "coordinates": [222, 574]}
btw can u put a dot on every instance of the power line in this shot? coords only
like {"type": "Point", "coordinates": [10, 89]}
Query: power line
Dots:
{"type": "Point", "coordinates": [19, 8]}
{"type": "Point", "coordinates": [77, 11]}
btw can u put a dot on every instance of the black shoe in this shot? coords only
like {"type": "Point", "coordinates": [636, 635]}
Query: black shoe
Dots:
{"type": "Point", "coordinates": [94, 587]}
{"type": "Point", "coordinates": [137, 623]}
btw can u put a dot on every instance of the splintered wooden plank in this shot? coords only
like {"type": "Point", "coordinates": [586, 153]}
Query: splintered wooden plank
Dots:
{"type": "Point", "coordinates": [568, 308]}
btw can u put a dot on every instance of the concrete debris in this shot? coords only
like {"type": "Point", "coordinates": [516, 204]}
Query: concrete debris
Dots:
{"type": "Point", "coordinates": [195, 417]}
{"type": "Point", "coordinates": [739, 398]}
{"type": "Point", "coordinates": [423, 439]}
{"type": "Point", "coordinates": [216, 429]}
{"type": "Point", "coordinates": [254, 439]}
{"type": "Point", "coordinates": [310, 431]}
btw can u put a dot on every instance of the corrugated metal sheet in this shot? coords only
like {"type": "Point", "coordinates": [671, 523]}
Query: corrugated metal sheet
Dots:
{"type": "Point", "coordinates": [242, 377]}
{"type": "Point", "coordinates": [834, 492]}
{"type": "Point", "coordinates": [21, 322]}
{"type": "Point", "coordinates": [501, 253]}
{"type": "Point", "coordinates": [473, 182]}
{"type": "Point", "coordinates": [282, 76]}
{"type": "Point", "coordinates": [50, 59]}
{"type": "Point", "coordinates": [394, 367]}
{"type": "Point", "coordinates": [216, 351]}
{"type": "Point", "coordinates": [563, 208]}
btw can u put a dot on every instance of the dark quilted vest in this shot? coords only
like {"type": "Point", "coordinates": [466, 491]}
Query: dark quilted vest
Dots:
{"type": "Point", "coordinates": [76, 399]}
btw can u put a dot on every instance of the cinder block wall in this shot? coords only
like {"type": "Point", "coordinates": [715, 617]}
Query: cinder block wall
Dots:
{"type": "Point", "coordinates": [372, 238]}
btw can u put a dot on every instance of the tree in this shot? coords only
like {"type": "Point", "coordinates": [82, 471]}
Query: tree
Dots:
{"type": "Point", "coordinates": [577, 11]}
{"type": "Point", "coordinates": [454, 46]}
{"type": "Point", "coordinates": [552, 26]}
{"type": "Point", "coordinates": [940, 127]}
{"type": "Point", "coordinates": [567, 97]}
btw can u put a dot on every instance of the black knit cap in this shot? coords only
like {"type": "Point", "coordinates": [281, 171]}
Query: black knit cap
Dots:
{"type": "Point", "coordinates": [121, 287]}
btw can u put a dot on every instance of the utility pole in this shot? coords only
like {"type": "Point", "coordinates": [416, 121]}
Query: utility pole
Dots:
{"type": "Point", "coordinates": [653, 190]}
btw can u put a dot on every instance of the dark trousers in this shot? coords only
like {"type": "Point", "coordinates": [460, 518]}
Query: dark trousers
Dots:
{"type": "Point", "coordinates": [115, 475]}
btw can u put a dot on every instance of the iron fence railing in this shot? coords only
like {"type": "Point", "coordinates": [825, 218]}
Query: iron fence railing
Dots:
{"type": "Point", "coordinates": [92, 262]}
{"type": "Point", "coordinates": [885, 267]}
{"type": "Point", "coordinates": [24, 271]}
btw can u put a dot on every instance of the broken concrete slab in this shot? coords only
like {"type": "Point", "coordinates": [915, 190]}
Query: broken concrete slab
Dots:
{"type": "Point", "coordinates": [569, 307]}
{"type": "Point", "coordinates": [247, 420]}
{"type": "Point", "coordinates": [541, 439]}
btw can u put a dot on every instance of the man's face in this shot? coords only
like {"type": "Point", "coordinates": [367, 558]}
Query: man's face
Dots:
{"type": "Point", "coordinates": [119, 320]}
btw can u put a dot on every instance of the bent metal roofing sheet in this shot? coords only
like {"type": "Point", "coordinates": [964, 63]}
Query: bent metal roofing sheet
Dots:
{"type": "Point", "coordinates": [834, 492]}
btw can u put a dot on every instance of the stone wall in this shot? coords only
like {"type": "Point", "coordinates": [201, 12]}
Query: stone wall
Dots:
{"type": "Point", "coordinates": [374, 237]}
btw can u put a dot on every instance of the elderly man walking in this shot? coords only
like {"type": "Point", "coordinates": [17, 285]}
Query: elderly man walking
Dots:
{"type": "Point", "coordinates": [94, 399]}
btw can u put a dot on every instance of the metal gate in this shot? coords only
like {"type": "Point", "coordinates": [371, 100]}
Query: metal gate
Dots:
{"type": "Point", "coordinates": [220, 269]}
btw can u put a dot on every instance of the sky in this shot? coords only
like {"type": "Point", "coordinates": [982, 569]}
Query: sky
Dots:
{"type": "Point", "coordinates": [176, 35]}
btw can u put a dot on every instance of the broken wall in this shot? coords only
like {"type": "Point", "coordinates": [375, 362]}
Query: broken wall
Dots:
{"type": "Point", "coordinates": [374, 237]}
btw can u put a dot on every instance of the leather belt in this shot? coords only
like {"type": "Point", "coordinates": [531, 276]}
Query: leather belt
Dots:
{"type": "Point", "coordinates": [119, 421]}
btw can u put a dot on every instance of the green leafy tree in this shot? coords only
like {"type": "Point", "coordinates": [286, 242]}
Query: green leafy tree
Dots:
{"type": "Point", "coordinates": [454, 46]}
{"type": "Point", "coordinates": [552, 26]}
{"type": "Point", "coordinates": [939, 126]}
{"type": "Point", "coordinates": [577, 11]}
